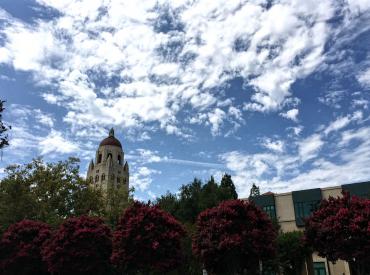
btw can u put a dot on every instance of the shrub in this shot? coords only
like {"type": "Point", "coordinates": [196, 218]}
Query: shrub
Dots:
{"type": "Point", "coordinates": [339, 229]}
{"type": "Point", "coordinates": [147, 239]}
{"type": "Point", "coordinates": [20, 248]}
{"type": "Point", "coordinates": [233, 237]}
{"type": "Point", "coordinates": [80, 246]}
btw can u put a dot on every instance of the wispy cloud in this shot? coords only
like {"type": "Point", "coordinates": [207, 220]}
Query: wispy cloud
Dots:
{"type": "Point", "coordinates": [166, 57]}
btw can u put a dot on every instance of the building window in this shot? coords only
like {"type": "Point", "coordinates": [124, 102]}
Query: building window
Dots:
{"type": "Point", "coordinates": [305, 202]}
{"type": "Point", "coordinates": [91, 179]}
{"type": "Point", "coordinates": [112, 177]}
{"type": "Point", "coordinates": [118, 180]}
{"type": "Point", "coordinates": [319, 268]}
{"type": "Point", "coordinates": [361, 189]}
{"type": "Point", "coordinates": [99, 158]}
{"type": "Point", "coordinates": [119, 160]}
{"type": "Point", "coordinates": [97, 171]}
{"type": "Point", "coordinates": [96, 178]}
{"type": "Point", "coordinates": [270, 210]}
{"type": "Point", "coordinates": [124, 181]}
{"type": "Point", "coordinates": [109, 155]}
{"type": "Point", "coordinates": [102, 177]}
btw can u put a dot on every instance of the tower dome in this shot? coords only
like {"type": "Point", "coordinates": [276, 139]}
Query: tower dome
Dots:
{"type": "Point", "coordinates": [109, 168]}
{"type": "Point", "coordinates": [111, 140]}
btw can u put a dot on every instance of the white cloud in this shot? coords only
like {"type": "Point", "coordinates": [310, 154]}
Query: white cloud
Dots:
{"type": "Point", "coordinates": [166, 57]}
{"type": "Point", "coordinates": [56, 143]}
{"type": "Point", "coordinates": [310, 147]}
{"type": "Point", "coordinates": [364, 78]}
{"type": "Point", "coordinates": [274, 145]}
{"type": "Point", "coordinates": [141, 177]}
{"type": "Point", "coordinates": [348, 163]}
{"type": "Point", "coordinates": [291, 114]}
{"type": "Point", "coordinates": [342, 122]}
{"type": "Point", "coordinates": [332, 98]}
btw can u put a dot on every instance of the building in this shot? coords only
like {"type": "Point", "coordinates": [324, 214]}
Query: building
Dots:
{"type": "Point", "coordinates": [109, 167]}
{"type": "Point", "coordinates": [290, 209]}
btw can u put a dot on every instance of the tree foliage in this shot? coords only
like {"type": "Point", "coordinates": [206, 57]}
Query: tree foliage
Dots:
{"type": "Point", "coordinates": [233, 237]}
{"type": "Point", "coordinates": [339, 229]}
{"type": "Point", "coordinates": [117, 200]}
{"type": "Point", "coordinates": [255, 191]}
{"type": "Point", "coordinates": [227, 189]}
{"type": "Point", "coordinates": [291, 252]}
{"type": "Point", "coordinates": [195, 197]}
{"type": "Point", "coordinates": [48, 192]}
{"type": "Point", "coordinates": [80, 246]}
{"type": "Point", "coordinates": [3, 127]}
{"type": "Point", "coordinates": [147, 239]}
{"type": "Point", "coordinates": [20, 248]}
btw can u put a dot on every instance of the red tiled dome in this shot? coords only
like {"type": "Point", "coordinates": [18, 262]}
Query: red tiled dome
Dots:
{"type": "Point", "coordinates": [111, 140]}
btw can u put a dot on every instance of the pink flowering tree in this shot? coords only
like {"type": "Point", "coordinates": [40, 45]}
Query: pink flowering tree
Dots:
{"type": "Point", "coordinates": [147, 239]}
{"type": "Point", "coordinates": [233, 238]}
{"type": "Point", "coordinates": [80, 246]}
{"type": "Point", "coordinates": [20, 248]}
{"type": "Point", "coordinates": [340, 229]}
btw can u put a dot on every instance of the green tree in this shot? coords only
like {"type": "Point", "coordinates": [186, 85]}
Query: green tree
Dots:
{"type": "Point", "coordinates": [169, 203]}
{"type": "Point", "coordinates": [292, 252]}
{"type": "Point", "coordinates": [3, 127]}
{"type": "Point", "coordinates": [255, 191]}
{"type": "Point", "coordinates": [209, 195]}
{"type": "Point", "coordinates": [190, 201]}
{"type": "Point", "coordinates": [227, 189]}
{"type": "Point", "coordinates": [117, 200]}
{"type": "Point", "coordinates": [48, 192]}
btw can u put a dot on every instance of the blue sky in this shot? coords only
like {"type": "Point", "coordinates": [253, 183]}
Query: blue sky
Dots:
{"type": "Point", "coordinates": [272, 92]}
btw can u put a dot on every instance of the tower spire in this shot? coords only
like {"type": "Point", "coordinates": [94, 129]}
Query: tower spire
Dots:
{"type": "Point", "coordinates": [111, 132]}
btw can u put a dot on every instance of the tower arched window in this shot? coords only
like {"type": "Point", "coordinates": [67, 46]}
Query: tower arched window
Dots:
{"type": "Point", "coordinates": [102, 177]}
{"type": "Point", "coordinates": [96, 178]}
{"type": "Point", "coordinates": [91, 179]}
{"type": "Point", "coordinates": [99, 158]}
{"type": "Point", "coordinates": [119, 159]}
{"type": "Point", "coordinates": [118, 180]}
{"type": "Point", "coordinates": [112, 177]}
{"type": "Point", "coordinates": [109, 155]}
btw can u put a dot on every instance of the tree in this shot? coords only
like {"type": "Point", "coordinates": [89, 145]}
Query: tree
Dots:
{"type": "Point", "coordinates": [48, 192]}
{"type": "Point", "coordinates": [147, 239]}
{"type": "Point", "coordinates": [339, 229]}
{"type": "Point", "coordinates": [117, 200]}
{"type": "Point", "coordinates": [195, 197]}
{"type": "Point", "coordinates": [20, 248]}
{"type": "Point", "coordinates": [209, 195]}
{"type": "Point", "coordinates": [80, 246]}
{"type": "Point", "coordinates": [255, 191]}
{"type": "Point", "coordinates": [190, 201]}
{"type": "Point", "coordinates": [233, 238]}
{"type": "Point", "coordinates": [292, 252]}
{"type": "Point", "coordinates": [3, 127]}
{"type": "Point", "coordinates": [227, 189]}
{"type": "Point", "coordinates": [169, 203]}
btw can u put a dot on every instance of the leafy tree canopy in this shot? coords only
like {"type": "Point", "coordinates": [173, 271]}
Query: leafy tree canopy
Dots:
{"type": "Point", "coordinates": [339, 229]}
{"type": "Point", "coordinates": [147, 239]}
{"type": "Point", "coordinates": [195, 197]}
{"type": "Point", "coordinates": [20, 248]}
{"type": "Point", "coordinates": [3, 127]}
{"type": "Point", "coordinates": [234, 237]}
{"type": "Point", "coordinates": [49, 192]}
{"type": "Point", "coordinates": [255, 191]}
{"type": "Point", "coordinates": [80, 246]}
{"type": "Point", "coordinates": [292, 252]}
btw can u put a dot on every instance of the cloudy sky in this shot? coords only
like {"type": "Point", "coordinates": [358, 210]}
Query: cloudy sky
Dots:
{"type": "Point", "coordinates": [272, 92]}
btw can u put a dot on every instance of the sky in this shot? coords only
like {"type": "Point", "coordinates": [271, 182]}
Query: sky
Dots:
{"type": "Point", "coordinates": [275, 93]}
